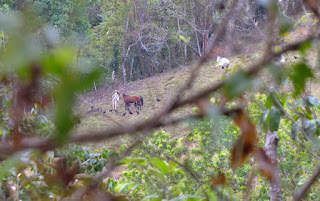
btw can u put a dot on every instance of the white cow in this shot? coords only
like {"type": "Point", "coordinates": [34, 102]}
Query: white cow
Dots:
{"type": "Point", "coordinates": [224, 62]}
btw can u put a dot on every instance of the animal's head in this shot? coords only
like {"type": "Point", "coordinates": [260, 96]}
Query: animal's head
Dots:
{"type": "Point", "coordinates": [124, 94]}
{"type": "Point", "coordinates": [218, 59]}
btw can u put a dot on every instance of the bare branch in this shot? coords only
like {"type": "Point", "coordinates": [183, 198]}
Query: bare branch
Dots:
{"type": "Point", "coordinates": [45, 144]}
{"type": "Point", "coordinates": [105, 172]}
{"type": "Point", "coordinates": [300, 194]}
{"type": "Point", "coordinates": [313, 6]}
{"type": "Point", "coordinates": [252, 69]}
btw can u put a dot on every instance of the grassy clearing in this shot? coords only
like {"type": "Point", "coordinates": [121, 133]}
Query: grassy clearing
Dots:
{"type": "Point", "coordinates": [163, 87]}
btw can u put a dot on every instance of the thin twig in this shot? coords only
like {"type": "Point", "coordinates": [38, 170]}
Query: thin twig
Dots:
{"type": "Point", "coordinates": [105, 172]}
{"type": "Point", "coordinates": [194, 73]}
{"type": "Point", "coordinates": [253, 69]}
{"type": "Point", "coordinates": [156, 121]}
{"type": "Point", "coordinates": [301, 193]}
{"type": "Point", "coordinates": [250, 183]}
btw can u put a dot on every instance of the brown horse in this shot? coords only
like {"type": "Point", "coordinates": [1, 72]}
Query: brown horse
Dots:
{"type": "Point", "coordinates": [132, 99]}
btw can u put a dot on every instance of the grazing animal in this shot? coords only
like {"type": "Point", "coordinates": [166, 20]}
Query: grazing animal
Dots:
{"type": "Point", "coordinates": [282, 60]}
{"type": "Point", "coordinates": [279, 60]}
{"type": "Point", "coordinates": [132, 99]}
{"type": "Point", "coordinates": [115, 100]}
{"type": "Point", "coordinates": [224, 62]}
{"type": "Point", "coordinates": [295, 57]}
{"type": "Point", "coordinates": [158, 99]}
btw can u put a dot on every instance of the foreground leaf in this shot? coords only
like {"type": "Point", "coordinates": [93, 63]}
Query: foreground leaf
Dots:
{"type": "Point", "coordinates": [310, 127]}
{"type": "Point", "coordinates": [139, 161]}
{"type": "Point", "coordinates": [266, 166]}
{"type": "Point", "coordinates": [245, 145]}
{"type": "Point", "coordinates": [295, 129]}
{"type": "Point", "coordinates": [160, 165]}
{"type": "Point", "coordinates": [313, 101]}
{"type": "Point", "coordinates": [237, 84]}
{"type": "Point", "coordinates": [274, 119]}
{"type": "Point", "coordinates": [301, 72]}
{"type": "Point", "coordinates": [218, 180]}
{"type": "Point", "coordinates": [6, 165]}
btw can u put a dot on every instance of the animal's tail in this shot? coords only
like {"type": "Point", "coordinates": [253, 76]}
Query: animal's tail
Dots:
{"type": "Point", "coordinates": [141, 100]}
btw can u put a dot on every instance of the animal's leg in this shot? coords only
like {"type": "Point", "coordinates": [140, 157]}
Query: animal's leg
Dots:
{"type": "Point", "coordinates": [129, 110]}
{"type": "Point", "coordinates": [125, 107]}
{"type": "Point", "coordinates": [115, 105]}
{"type": "Point", "coordinates": [125, 110]}
{"type": "Point", "coordinates": [138, 106]}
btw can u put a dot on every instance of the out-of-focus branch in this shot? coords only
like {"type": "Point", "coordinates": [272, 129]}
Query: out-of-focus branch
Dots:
{"type": "Point", "coordinates": [45, 144]}
{"type": "Point", "coordinates": [300, 194]}
{"type": "Point", "coordinates": [106, 172]}
{"type": "Point", "coordinates": [313, 6]}
{"type": "Point", "coordinates": [252, 69]}
{"type": "Point", "coordinates": [78, 195]}
{"type": "Point", "coordinates": [280, 107]}
{"type": "Point", "coordinates": [208, 54]}
{"type": "Point", "coordinates": [156, 121]}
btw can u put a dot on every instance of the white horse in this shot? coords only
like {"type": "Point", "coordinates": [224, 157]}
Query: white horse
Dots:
{"type": "Point", "coordinates": [115, 100]}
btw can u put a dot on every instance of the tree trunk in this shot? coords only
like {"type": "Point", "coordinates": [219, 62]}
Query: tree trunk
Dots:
{"type": "Point", "coordinates": [271, 148]}
{"type": "Point", "coordinates": [185, 45]}
{"type": "Point", "coordinates": [205, 34]}
{"type": "Point", "coordinates": [95, 87]}
{"type": "Point", "coordinates": [198, 42]}
{"type": "Point", "coordinates": [112, 76]}
{"type": "Point", "coordinates": [143, 12]}
{"type": "Point", "coordinates": [131, 69]}
{"type": "Point", "coordinates": [205, 40]}
{"type": "Point", "coordinates": [124, 74]}
{"type": "Point", "coordinates": [142, 64]}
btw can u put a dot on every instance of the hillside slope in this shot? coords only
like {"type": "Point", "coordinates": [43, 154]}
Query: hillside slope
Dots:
{"type": "Point", "coordinates": [163, 87]}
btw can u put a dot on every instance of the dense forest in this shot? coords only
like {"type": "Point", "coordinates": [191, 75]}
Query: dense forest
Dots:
{"type": "Point", "coordinates": [226, 100]}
